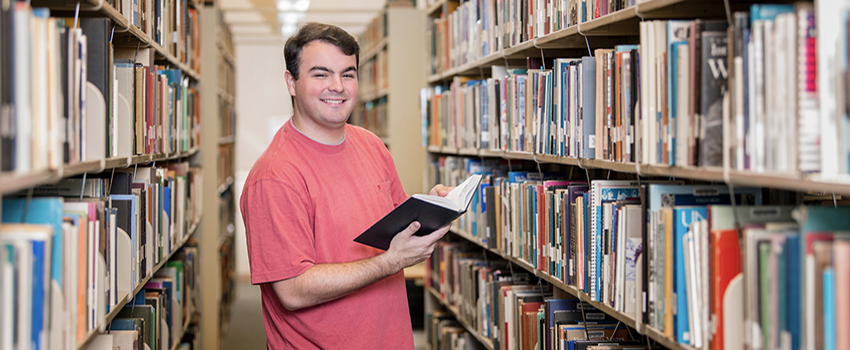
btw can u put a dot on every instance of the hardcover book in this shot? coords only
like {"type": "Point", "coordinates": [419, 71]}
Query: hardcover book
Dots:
{"type": "Point", "coordinates": [432, 212]}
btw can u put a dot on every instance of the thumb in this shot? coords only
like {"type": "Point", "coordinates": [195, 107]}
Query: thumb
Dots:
{"type": "Point", "coordinates": [410, 230]}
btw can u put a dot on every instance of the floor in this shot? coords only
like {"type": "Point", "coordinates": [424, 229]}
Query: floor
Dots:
{"type": "Point", "coordinates": [246, 326]}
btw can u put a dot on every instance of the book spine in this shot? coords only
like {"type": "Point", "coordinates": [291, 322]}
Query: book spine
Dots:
{"type": "Point", "coordinates": [713, 86]}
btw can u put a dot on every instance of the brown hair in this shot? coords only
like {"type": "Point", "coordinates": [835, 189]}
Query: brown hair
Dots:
{"type": "Point", "coordinates": [311, 31]}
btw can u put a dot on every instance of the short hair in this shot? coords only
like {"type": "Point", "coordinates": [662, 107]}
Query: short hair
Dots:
{"type": "Point", "coordinates": [311, 31]}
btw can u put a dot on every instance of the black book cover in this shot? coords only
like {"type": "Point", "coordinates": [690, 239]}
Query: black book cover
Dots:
{"type": "Point", "coordinates": [431, 216]}
{"type": "Point", "coordinates": [713, 86]}
{"type": "Point", "coordinates": [573, 192]}
{"type": "Point", "coordinates": [97, 32]}
{"type": "Point", "coordinates": [490, 203]}
{"type": "Point", "coordinates": [66, 107]}
{"type": "Point", "coordinates": [7, 91]}
{"type": "Point", "coordinates": [634, 70]}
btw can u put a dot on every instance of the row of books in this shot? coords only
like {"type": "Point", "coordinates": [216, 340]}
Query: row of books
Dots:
{"type": "Point", "coordinates": [69, 96]}
{"type": "Point", "coordinates": [158, 314]}
{"type": "Point", "coordinates": [78, 248]}
{"type": "Point", "coordinates": [662, 102]}
{"type": "Point", "coordinates": [373, 75]}
{"type": "Point", "coordinates": [472, 30]}
{"type": "Point", "coordinates": [172, 24]}
{"type": "Point", "coordinates": [445, 333]}
{"type": "Point", "coordinates": [371, 115]}
{"type": "Point", "coordinates": [376, 30]}
{"type": "Point", "coordinates": [508, 308]}
{"type": "Point", "coordinates": [667, 254]}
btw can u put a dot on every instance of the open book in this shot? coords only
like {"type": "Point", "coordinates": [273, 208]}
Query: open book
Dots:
{"type": "Point", "coordinates": [432, 212]}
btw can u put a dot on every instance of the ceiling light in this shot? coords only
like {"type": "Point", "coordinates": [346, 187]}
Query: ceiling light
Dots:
{"type": "Point", "coordinates": [284, 5]}
{"type": "Point", "coordinates": [302, 5]}
{"type": "Point", "coordinates": [290, 17]}
{"type": "Point", "coordinates": [287, 30]}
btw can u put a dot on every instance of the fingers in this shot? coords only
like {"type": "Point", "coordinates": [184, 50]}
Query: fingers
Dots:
{"type": "Point", "coordinates": [440, 190]}
{"type": "Point", "coordinates": [436, 235]}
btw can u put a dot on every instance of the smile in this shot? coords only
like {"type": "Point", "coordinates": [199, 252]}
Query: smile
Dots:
{"type": "Point", "coordinates": [334, 102]}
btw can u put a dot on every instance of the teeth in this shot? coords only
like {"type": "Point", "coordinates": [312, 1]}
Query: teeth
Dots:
{"type": "Point", "coordinates": [333, 101]}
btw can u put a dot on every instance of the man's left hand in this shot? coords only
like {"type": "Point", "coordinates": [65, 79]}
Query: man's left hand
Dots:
{"type": "Point", "coordinates": [440, 190]}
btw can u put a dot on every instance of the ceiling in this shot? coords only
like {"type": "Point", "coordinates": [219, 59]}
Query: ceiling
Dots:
{"type": "Point", "coordinates": [258, 21]}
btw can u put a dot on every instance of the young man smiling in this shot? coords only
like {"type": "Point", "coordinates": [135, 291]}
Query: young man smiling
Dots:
{"type": "Point", "coordinates": [319, 184]}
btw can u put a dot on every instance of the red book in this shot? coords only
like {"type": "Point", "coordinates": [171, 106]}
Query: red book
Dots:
{"type": "Point", "coordinates": [725, 266]}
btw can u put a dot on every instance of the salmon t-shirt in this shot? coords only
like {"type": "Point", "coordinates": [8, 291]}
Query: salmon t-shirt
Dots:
{"type": "Point", "coordinates": [303, 204]}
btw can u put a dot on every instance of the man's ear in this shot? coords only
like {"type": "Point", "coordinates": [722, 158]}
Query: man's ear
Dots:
{"type": "Point", "coordinates": [290, 82]}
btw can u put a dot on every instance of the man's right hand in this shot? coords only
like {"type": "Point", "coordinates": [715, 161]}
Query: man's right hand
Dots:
{"type": "Point", "coordinates": [408, 250]}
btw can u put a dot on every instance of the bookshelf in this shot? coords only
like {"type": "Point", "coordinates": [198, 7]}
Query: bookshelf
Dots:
{"type": "Point", "coordinates": [217, 144]}
{"type": "Point", "coordinates": [166, 163]}
{"type": "Point", "coordinates": [458, 60]}
{"type": "Point", "coordinates": [389, 88]}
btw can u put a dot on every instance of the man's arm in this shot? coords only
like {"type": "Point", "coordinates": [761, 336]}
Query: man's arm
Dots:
{"type": "Point", "coordinates": [325, 282]}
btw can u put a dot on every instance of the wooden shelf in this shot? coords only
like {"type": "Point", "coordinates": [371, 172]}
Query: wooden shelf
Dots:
{"type": "Point", "coordinates": [435, 10]}
{"type": "Point", "coordinates": [13, 182]}
{"type": "Point", "coordinates": [373, 51]}
{"type": "Point", "coordinates": [625, 319]}
{"type": "Point", "coordinates": [376, 96]}
{"type": "Point", "coordinates": [488, 344]}
{"type": "Point", "coordinates": [839, 184]}
{"type": "Point", "coordinates": [225, 186]}
{"type": "Point", "coordinates": [127, 297]}
{"type": "Point", "coordinates": [609, 28]}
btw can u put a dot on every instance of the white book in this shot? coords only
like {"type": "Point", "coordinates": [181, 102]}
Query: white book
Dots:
{"type": "Point", "coordinates": [40, 91]}
{"type": "Point", "coordinates": [23, 89]}
{"type": "Point", "coordinates": [94, 137]}
{"type": "Point", "coordinates": [56, 127]}
{"type": "Point", "coordinates": [791, 84]}
{"type": "Point", "coordinates": [828, 39]}
{"type": "Point", "coordinates": [7, 298]}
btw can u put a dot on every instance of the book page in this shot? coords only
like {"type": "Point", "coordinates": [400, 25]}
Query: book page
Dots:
{"type": "Point", "coordinates": [458, 198]}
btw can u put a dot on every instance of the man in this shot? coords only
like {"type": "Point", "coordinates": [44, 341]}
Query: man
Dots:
{"type": "Point", "coordinates": [319, 184]}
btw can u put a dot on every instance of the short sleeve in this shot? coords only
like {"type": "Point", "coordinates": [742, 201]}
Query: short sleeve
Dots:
{"type": "Point", "coordinates": [396, 188]}
{"type": "Point", "coordinates": [279, 230]}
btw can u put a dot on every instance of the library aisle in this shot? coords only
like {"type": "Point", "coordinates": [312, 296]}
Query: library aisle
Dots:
{"type": "Point", "coordinates": [248, 331]}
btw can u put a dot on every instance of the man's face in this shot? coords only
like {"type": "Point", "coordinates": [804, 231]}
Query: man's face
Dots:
{"type": "Point", "coordinates": [326, 89]}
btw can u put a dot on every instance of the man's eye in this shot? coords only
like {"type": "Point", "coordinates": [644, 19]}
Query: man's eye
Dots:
{"type": "Point", "coordinates": [320, 75]}
{"type": "Point", "coordinates": [348, 75]}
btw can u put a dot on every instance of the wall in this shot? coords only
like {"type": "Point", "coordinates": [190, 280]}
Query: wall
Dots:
{"type": "Point", "coordinates": [262, 106]}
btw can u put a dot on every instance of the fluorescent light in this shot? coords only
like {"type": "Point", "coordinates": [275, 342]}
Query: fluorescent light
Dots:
{"type": "Point", "coordinates": [287, 30]}
{"type": "Point", "coordinates": [290, 17]}
{"type": "Point", "coordinates": [302, 5]}
{"type": "Point", "coordinates": [284, 5]}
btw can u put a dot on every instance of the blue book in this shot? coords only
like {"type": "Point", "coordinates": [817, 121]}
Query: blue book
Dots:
{"type": "Point", "coordinates": [39, 252]}
{"type": "Point", "coordinates": [768, 12]}
{"type": "Point", "coordinates": [794, 314]}
{"type": "Point", "coordinates": [41, 210]}
{"type": "Point", "coordinates": [828, 309]}
{"type": "Point", "coordinates": [683, 217]}
{"type": "Point", "coordinates": [672, 98]}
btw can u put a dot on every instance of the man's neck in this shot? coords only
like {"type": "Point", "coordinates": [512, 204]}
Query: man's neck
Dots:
{"type": "Point", "coordinates": [319, 133]}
